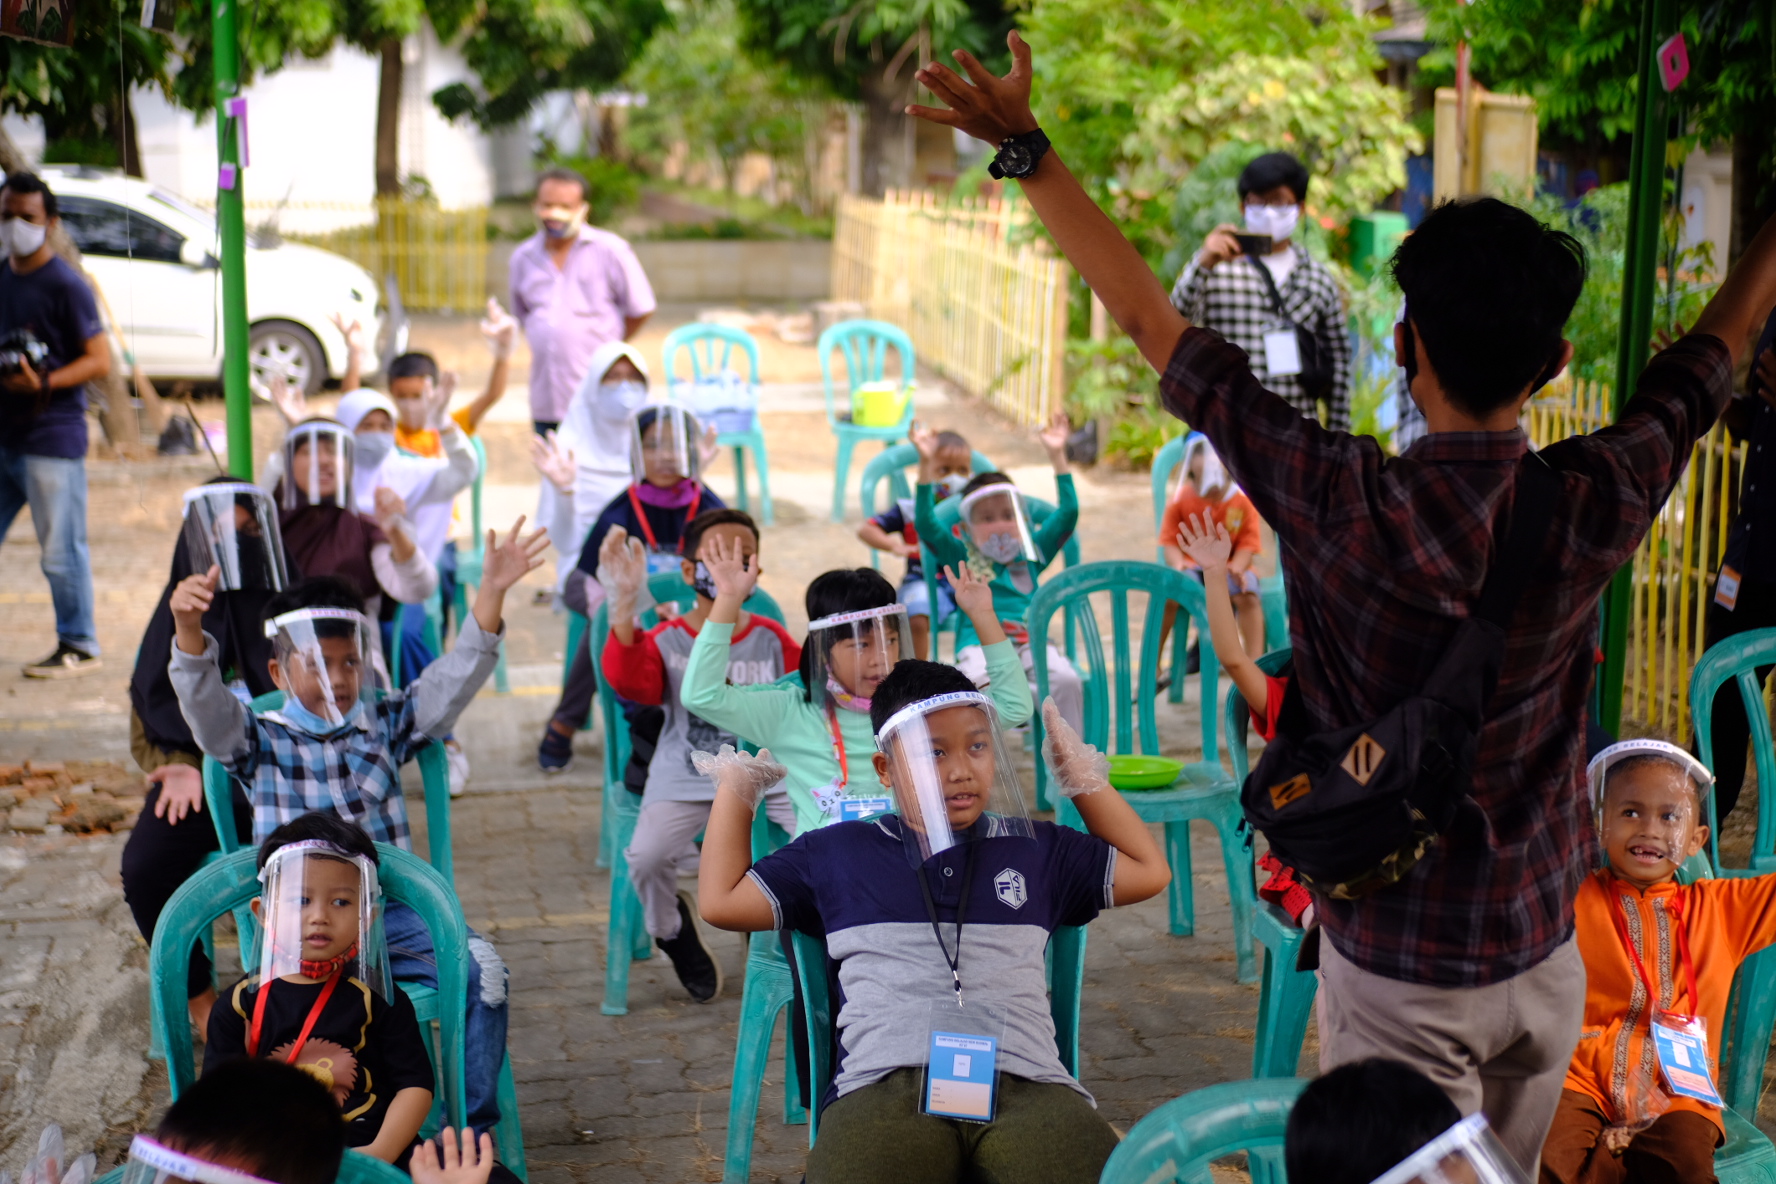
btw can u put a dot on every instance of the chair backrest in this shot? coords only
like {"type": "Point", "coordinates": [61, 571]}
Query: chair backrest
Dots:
{"type": "Point", "coordinates": [480, 539]}
{"type": "Point", "coordinates": [710, 349]}
{"type": "Point", "coordinates": [816, 976]}
{"type": "Point", "coordinates": [864, 345]}
{"type": "Point", "coordinates": [1165, 462]}
{"type": "Point", "coordinates": [231, 882]}
{"type": "Point", "coordinates": [1180, 1139]}
{"type": "Point", "coordinates": [1237, 719]}
{"type": "Point", "coordinates": [890, 465]}
{"type": "Point", "coordinates": [1737, 658]}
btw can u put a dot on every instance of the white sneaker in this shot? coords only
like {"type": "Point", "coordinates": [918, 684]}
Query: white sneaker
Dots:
{"type": "Point", "coordinates": [458, 761]}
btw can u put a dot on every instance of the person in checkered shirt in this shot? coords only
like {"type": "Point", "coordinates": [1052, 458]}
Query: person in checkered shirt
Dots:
{"type": "Point", "coordinates": [1465, 969]}
{"type": "Point", "coordinates": [1221, 289]}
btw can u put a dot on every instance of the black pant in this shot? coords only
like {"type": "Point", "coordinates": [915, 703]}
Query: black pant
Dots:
{"type": "Point", "coordinates": [160, 856]}
{"type": "Point", "coordinates": [1755, 609]}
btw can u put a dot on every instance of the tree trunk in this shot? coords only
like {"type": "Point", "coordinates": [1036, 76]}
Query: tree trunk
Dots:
{"type": "Point", "coordinates": [388, 120]}
{"type": "Point", "coordinates": [116, 416]}
{"type": "Point", "coordinates": [1754, 193]}
{"type": "Point", "coordinates": [883, 115]}
{"type": "Point", "coordinates": [132, 144]}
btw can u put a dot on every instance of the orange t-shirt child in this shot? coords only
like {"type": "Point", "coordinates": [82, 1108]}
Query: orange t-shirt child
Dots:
{"type": "Point", "coordinates": [425, 441]}
{"type": "Point", "coordinates": [1234, 511]}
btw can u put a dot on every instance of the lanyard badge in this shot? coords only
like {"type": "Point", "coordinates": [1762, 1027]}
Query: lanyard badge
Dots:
{"type": "Point", "coordinates": [962, 1050]}
{"type": "Point", "coordinates": [1680, 1041]}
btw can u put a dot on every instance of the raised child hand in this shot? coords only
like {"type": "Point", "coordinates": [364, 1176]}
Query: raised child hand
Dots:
{"type": "Point", "coordinates": [507, 561]}
{"type": "Point", "coordinates": [983, 106]}
{"type": "Point", "coordinates": [747, 777]}
{"type": "Point", "coordinates": [458, 1167]}
{"type": "Point", "coordinates": [391, 510]}
{"type": "Point", "coordinates": [438, 402]}
{"type": "Point", "coordinates": [1205, 541]}
{"type": "Point", "coordinates": [1054, 435]}
{"type": "Point", "coordinates": [924, 438]}
{"type": "Point", "coordinates": [192, 597]}
{"type": "Point", "coordinates": [974, 596]}
{"type": "Point", "coordinates": [290, 401]}
{"type": "Point", "coordinates": [499, 329]}
{"type": "Point", "coordinates": [622, 566]}
{"type": "Point", "coordinates": [1078, 767]}
{"type": "Point", "coordinates": [352, 331]}
{"type": "Point", "coordinates": [734, 573]}
{"type": "Point", "coordinates": [553, 461]}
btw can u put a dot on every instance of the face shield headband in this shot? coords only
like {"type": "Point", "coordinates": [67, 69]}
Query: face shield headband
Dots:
{"type": "Point", "coordinates": [320, 916]}
{"type": "Point", "coordinates": [322, 688]}
{"type": "Point", "coordinates": [153, 1163]}
{"type": "Point", "coordinates": [1598, 771]}
{"type": "Point", "coordinates": [997, 519]}
{"type": "Point", "coordinates": [853, 652]}
{"type": "Point", "coordinates": [953, 780]}
{"type": "Point", "coordinates": [314, 451]}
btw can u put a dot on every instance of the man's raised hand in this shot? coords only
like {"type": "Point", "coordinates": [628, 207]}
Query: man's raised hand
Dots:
{"type": "Point", "coordinates": [984, 106]}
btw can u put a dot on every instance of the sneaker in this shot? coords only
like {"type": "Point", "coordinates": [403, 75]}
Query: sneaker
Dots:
{"type": "Point", "coordinates": [66, 662]}
{"type": "Point", "coordinates": [458, 761]}
{"type": "Point", "coordinates": [556, 753]}
{"type": "Point", "coordinates": [697, 968]}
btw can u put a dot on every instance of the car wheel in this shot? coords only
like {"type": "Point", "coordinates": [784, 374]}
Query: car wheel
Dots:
{"type": "Point", "coordinates": [286, 348]}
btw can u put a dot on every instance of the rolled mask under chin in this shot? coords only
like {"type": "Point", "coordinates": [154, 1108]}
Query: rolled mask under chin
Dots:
{"type": "Point", "coordinates": [664, 438]}
{"type": "Point", "coordinates": [313, 892]}
{"type": "Point", "coordinates": [314, 451]}
{"type": "Point", "coordinates": [1466, 1153]}
{"type": "Point", "coordinates": [233, 526]}
{"type": "Point", "coordinates": [851, 653]}
{"type": "Point", "coordinates": [325, 656]}
{"type": "Point", "coordinates": [151, 1162]}
{"type": "Point", "coordinates": [951, 776]}
{"type": "Point", "coordinates": [997, 520]}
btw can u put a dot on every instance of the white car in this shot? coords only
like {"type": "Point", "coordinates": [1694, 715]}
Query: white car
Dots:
{"type": "Point", "coordinates": [153, 255]}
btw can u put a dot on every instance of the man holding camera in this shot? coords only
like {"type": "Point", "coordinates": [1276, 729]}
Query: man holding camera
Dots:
{"type": "Point", "coordinates": [52, 344]}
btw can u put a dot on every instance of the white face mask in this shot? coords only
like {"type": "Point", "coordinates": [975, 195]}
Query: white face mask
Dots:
{"type": "Point", "coordinates": [22, 237]}
{"type": "Point", "coordinates": [628, 394]}
{"type": "Point", "coordinates": [1276, 221]}
{"type": "Point", "coordinates": [370, 449]}
{"type": "Point", "coordinates": [1000, 548]}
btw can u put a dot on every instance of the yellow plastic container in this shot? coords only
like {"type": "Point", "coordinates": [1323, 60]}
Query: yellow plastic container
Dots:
{"type": "Point", "coordinates": [879, 404]}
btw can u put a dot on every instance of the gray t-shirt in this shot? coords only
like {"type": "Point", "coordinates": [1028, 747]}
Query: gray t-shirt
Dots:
{"type": "Point", "coordinates": [651, 670]}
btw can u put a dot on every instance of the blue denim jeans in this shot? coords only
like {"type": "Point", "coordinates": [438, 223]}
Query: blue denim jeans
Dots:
{"type": "Point", "coordinates": [55, 489]}
{"type": "Point", "coordinates": [412, 960]}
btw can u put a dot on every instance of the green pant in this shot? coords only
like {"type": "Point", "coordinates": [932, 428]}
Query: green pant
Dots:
{"type": "Point", "coordinates": [1043, 1134]}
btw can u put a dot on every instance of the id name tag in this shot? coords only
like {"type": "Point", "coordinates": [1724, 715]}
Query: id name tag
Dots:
{"type": "Point", "coordinates": [1726, 588]}
{"type": "Point", "coordinates": [1282, 353]}
{"type": "Point", "coordinates": [1682, 1046]}
{"type": "Point", "coordinates": [856, 809]}
{"type": "Point", "coordinates": [959, 1076]}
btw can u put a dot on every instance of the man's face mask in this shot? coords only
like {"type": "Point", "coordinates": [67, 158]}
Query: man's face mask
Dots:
{"type": "Point", "coordinates": [561, 221]}
{"type": "Point", "coordinates": [22, 237]}
{"type": "Point", "coordinates": [1276, 221]}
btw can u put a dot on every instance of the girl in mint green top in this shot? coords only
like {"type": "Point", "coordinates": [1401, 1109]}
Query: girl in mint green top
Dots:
{"type": "Point", "coordinates": [822, 734]}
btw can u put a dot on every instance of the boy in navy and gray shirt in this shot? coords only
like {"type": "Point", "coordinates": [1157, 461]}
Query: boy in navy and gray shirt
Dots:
{"type": "Point", "coordinates": [854, 884]}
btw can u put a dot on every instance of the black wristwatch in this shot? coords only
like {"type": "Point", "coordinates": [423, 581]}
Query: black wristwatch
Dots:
{"type": "Point", "coordinates": [1018, 155]}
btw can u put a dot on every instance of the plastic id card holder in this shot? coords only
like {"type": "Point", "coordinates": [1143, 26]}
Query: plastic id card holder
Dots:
{"type": "Point", "coordinates": [1282, 353]}
{"type": "Point", "coordinates": [856, 809]}
{"type": "Point", "coordinates": [962, 1063]}
{"type": "Point", "coordinates": [1682, 1044]}
{"type": "Point", "coordinates": [1726, 588]}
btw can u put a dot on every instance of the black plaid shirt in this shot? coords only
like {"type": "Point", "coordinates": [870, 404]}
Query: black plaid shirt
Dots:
{"type": "Point", "coordinates": [1384, 557]}
{"type": "Point", "coordinates": [1234, 301]}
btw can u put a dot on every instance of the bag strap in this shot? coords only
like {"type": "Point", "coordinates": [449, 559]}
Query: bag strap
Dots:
{"type": "Point", "coordinates": [1537, 492]}
{"type": "Point", "coordinates": [1276, 296]}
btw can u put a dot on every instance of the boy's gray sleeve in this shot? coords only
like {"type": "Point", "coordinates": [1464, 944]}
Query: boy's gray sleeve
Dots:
{"type": "Point", "coordinates": [444, 690]}
{"type": "Point", "coordinates": [217, 719]}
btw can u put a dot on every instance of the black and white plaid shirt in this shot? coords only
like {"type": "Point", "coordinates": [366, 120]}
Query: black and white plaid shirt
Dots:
{"type": "Point", "coordinates": [1234, 301]}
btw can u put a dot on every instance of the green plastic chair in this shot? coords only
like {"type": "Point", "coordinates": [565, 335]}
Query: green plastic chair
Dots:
{"type": "Point", "coordinates": [1736, 659]}
{"type": "Point", "coordinates": [230, 882]}
{"type": "Point", "coordinates": [1180, 1139]}
{"type": "Point", "coordinates": [890, 465]}
{"type": "Point", "coordinates": [865, 346]}
{"type": "Point", "coordinates": [815, 974]}
{"type": "Point", "coordinates": [1285, 994]}
{"type": "Point", "coordinates": [1125, 682]}
{"type": "Point", "coordinates": [434, 773]}
{"type": "Point", "coordinates": [628, 940]}
{"type": "Point", "coordinates": [702, 341]}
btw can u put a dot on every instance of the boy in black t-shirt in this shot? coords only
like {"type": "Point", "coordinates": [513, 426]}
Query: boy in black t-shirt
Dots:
{"type": "Point", "coordinates": [321, 999]}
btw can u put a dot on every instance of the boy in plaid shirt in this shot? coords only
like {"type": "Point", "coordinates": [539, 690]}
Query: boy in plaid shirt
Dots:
{"type": "Point", "coordinates": [327, 748]}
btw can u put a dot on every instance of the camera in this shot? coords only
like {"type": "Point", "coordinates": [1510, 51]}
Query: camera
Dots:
{"type": "Point", "coordinates": [20, 347]}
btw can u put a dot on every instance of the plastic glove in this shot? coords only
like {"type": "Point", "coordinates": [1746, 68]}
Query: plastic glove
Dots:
{"type": "Point", "coordinates": [622, 568]}
{"type": "Point", "coordinates": [748, 778]}
{"type": "Point", "coordinates": [1077, 767]}
{"type": "Point", "coordinates": [438, 401]}
{"type": "Point", "coordinates": [50, 1166]}
{"type": "Point", "coordinates": [500, 329]}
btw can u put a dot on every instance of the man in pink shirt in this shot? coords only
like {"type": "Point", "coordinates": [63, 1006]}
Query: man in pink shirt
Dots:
{"type": "Point", "coordinates": [574, 287]}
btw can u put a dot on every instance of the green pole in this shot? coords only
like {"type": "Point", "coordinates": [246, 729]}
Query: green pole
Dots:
{"type": "Point", "coordinates": [232, 228]}
{"type": "Point", "coordinates": [1646, 200]}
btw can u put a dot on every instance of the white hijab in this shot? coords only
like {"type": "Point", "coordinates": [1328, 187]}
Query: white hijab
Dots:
{"type": "Point", "coordinates": [597, 425]}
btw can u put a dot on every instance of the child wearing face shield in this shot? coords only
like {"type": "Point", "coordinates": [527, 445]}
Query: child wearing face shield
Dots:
{"type": "Point", "coordinates": [1206, 492]}
{"type": "Point", "coordinates": [893, 531]}
{"type": "Point", "coordinates": [937, 911]}
{"type": "Point", "coordinates": [998, 539]}
{"type": "Point", "coordinates": [1641, 1097]}
{"type": "Point", "coordinates": [662, 496]}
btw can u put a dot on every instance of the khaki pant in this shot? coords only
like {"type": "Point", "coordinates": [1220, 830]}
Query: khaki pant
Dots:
{"type": "Point", "coordinates": [1502, 1049]}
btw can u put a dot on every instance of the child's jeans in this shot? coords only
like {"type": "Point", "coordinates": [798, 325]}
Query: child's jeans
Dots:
{"type": "Point", "coordinates": [1064, 682]}
{"type": "Point", "coordinates": [412, 960]}
{"type": "Point", "coordinates": [661, 845]}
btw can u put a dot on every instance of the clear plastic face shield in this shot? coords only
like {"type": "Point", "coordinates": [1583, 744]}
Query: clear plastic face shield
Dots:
{"type": "Point", "coordinates": [324, 663]}
{"type": "Point", "coordinates": [234, 527]}
{"type": "Point", "coordinates": [1466, 1153]}
{"type": "Point", "coordinates": [318, 465]}
{"type": "Point", "coordinates": [1650, 800]}
{"type": "Point", "coordinates": [853, 652]}
{"type": "Point", "coordinates": [953, 782]}
{"type": "Point", "coordinates": [1202, 469]}
{"type": "Point", "coordinates": [152, 1163]}
{"type": "Point", "coordinates": [320, 914]}
{"type": "Point", "coordinates": [664, 445]}
{"type": "Point", "coordinates": [997, 521]}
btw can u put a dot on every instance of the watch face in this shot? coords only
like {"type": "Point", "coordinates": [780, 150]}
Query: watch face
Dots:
{"type": "Point", "coordinates": [1015, 160]}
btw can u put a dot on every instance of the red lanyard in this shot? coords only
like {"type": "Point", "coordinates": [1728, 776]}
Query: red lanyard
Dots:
{"type": "Point", "coordinates": [839, 746]}
{"type": "Point", "coordinates": [314, 1014]}
{"type": "Point", "coordinates": [1618, 915]}
{"type": "Point", "coordinates": [647, 529]}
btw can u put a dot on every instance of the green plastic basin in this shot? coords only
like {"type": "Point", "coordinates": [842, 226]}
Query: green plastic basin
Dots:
{"type": "Point", "coordinates": [1144, 772]}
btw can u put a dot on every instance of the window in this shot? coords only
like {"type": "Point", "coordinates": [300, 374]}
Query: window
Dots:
{"type": "Point", "coordinates": [105, 228]}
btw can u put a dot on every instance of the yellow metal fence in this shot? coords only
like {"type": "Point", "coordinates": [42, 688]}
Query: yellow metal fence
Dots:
{"type": "Point", "coordinates": [1673, 569]}
{"type": "Point", "coordinates": [984, 310]}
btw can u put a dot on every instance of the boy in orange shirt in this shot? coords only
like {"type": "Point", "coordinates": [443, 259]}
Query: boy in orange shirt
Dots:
{"type": "Point", "coordinates": [1659, 963]}
{"type": "Point", "coordinates": [1206, 491]}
